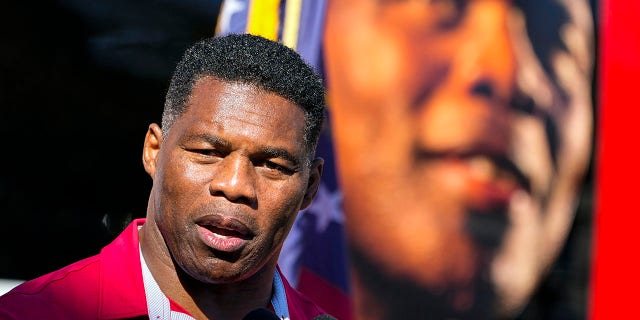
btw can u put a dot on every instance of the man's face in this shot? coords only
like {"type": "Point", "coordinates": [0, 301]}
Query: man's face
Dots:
{"type": "Point", "coordinates": [230, 178]}
{"type": "Point", "coordinates": [459, 148]}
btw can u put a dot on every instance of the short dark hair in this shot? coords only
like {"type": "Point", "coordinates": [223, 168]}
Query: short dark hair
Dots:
{"type": "Point", "coordinates": [253, 60]}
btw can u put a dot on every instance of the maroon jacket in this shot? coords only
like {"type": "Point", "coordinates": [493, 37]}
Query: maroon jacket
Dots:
{"type": "Point", "coordinates": [106, 286]}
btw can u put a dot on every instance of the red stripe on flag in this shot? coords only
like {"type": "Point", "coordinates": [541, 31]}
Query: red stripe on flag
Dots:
{"type": "Point", "coordinates": [326, 295]}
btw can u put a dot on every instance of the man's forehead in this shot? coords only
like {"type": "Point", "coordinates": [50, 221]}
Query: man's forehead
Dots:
{"type": "Point", "coordinates": [246, 108]}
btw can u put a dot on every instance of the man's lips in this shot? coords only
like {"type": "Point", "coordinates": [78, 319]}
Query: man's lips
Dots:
{"type": "Point", "coordinates": [224, 234]}
{"type": "Point", "coordinates": [497, 166]}
{"type": "Point", "coordinates": [510, 168]}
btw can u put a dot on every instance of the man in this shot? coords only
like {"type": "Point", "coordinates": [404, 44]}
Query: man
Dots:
{"type": "Point", "coordinates": [232, 164]}
{"type": "Point", "coordinates": [462, 133]}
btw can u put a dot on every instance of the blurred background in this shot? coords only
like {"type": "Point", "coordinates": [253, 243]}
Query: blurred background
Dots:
{"type": "Point", "coordinates": [80, 81]}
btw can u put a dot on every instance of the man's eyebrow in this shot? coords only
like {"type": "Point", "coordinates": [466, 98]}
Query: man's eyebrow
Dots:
{"type": "Point", "coordinates": [212, 140]}
{"type": "Point", "coordinates": [275, 152]}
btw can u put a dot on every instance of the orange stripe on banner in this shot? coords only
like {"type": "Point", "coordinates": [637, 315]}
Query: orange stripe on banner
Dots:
{"type": "Point", "coordinates": [616, 269]}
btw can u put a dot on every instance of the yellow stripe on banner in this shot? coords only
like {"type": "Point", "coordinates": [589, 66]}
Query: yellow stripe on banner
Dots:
{"type": "Point", "coordinates": [263, 18]}
{"type": "Point", "coordinates": [291, 23]}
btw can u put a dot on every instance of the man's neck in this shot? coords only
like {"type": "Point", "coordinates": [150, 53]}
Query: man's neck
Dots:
{"type": "Point", "coordinates": [202, 299]}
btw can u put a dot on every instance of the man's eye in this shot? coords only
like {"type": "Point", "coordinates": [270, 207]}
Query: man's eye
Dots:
{"type": "Point", "coordinates": [274, 166]}
{"type": "Point", "coordinates": [207, 152]}
{"type": "Point", "coordinates": [448, 13]}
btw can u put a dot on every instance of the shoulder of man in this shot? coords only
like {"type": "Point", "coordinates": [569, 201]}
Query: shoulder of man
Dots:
{"type": "Point", "coordinates": [82, 289]}
{"type": "Point", "coordinates": [55, 294]}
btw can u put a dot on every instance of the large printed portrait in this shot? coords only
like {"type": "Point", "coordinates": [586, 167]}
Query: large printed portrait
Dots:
{"type": "Point", "coordinates": [462, 131]}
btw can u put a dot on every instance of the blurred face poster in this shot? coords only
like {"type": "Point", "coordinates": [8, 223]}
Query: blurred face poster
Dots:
{"type": "Point", "coordinates": [461, 133]}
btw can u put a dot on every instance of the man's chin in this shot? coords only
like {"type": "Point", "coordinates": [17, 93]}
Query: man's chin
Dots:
{"type": "Point", "coordinates": [402, 296]}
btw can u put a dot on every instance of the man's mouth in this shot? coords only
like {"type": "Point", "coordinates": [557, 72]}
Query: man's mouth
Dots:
{"type": "Point", "coordinates": [499, 165]}
{"type": "Point", "coordinates": [508, 167]}
{"type": "Point", "coordinates": [487, 215]}
{"type": "Point", "coordinates": [491, 180]}
{"type": "Point", "coordinates": [223, 233]}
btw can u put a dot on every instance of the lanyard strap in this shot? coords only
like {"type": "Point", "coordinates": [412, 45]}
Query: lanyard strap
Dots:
{"type": "Point", "coordinates": [159, 307]}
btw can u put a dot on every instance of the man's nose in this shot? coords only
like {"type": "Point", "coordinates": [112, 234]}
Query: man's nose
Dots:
{"type": "Point", "coordinates": [235, 179]}
{"type": "Point", "coordinates": [476, 83]}
{"type": "Point", "coordinates": [486, 63]}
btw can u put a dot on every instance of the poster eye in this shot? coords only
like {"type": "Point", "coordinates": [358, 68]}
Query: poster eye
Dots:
{"type": "Point", "coordinates": [448, 13]}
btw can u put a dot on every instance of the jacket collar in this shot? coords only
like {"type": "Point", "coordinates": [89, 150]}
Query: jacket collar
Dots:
{"type": "Point", "coordinates": [122, 289]}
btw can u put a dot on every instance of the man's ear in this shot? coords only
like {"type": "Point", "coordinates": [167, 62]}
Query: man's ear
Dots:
{"type": "Point", "coordinates": [315, 173]}
{"type": "Point", "coordinates": [151, 149]}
